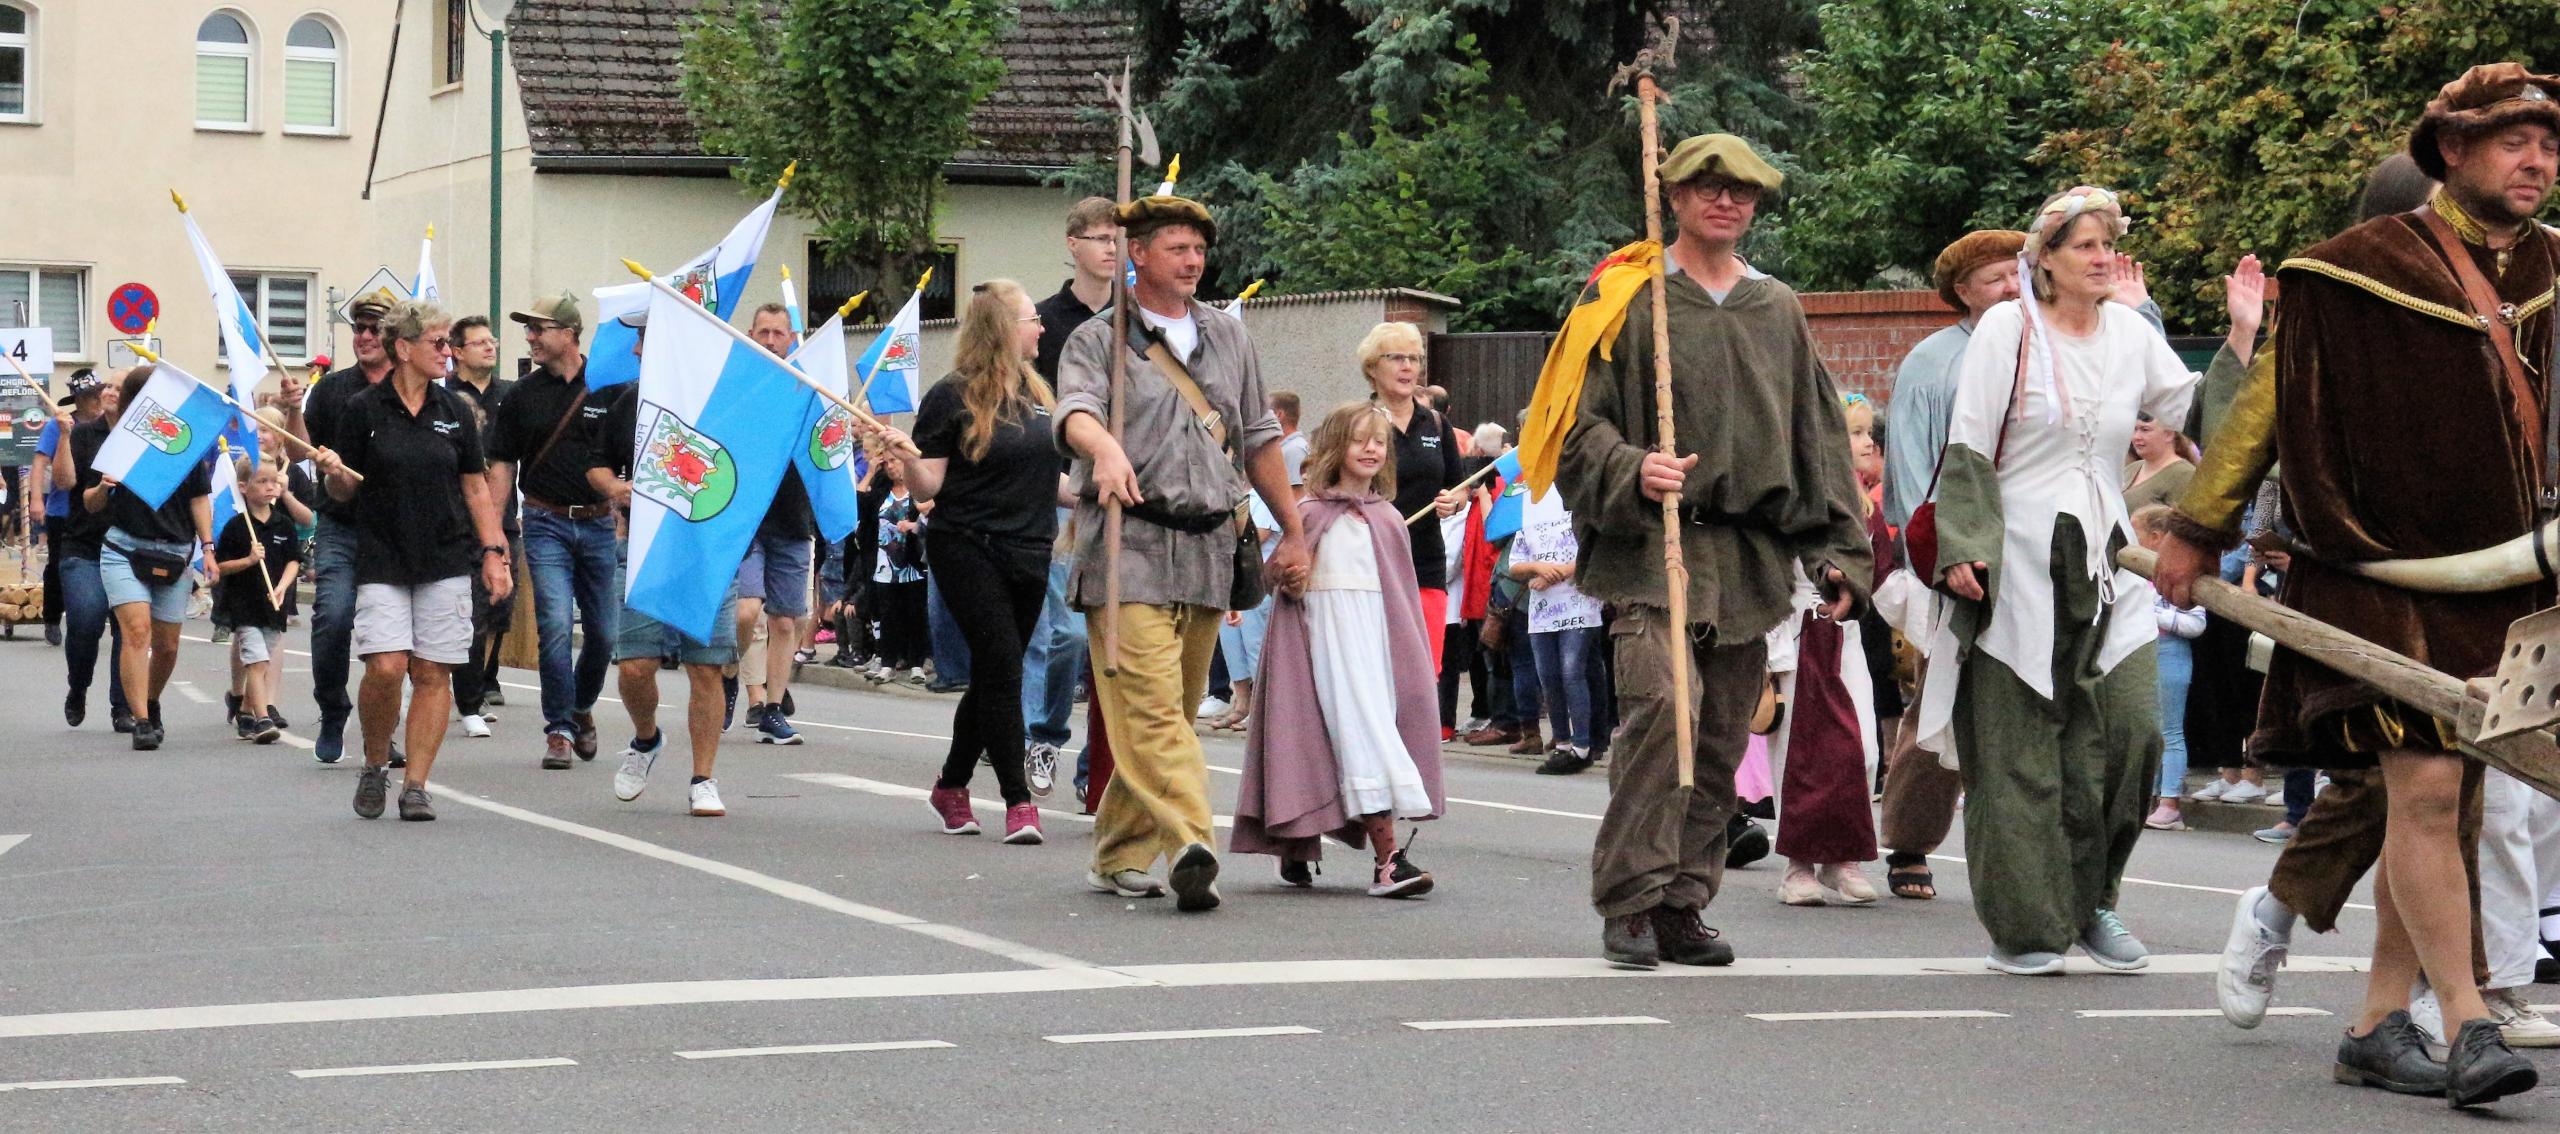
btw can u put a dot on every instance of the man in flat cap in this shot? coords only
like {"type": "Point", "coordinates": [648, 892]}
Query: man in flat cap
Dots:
{"type": "Point", "coordinates": [1767, 495]}
{"type": "Point", "coordinates": [317, 419]}
{"type": "Point", "coordinates": [2455, 297]}
{"type": "Point", "coordinates": [1195, 394]}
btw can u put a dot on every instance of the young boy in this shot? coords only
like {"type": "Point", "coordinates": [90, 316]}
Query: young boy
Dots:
{"type": "Point", "coordinates": [258, 557]}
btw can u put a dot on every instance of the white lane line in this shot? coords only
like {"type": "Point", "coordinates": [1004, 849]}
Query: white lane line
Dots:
{"type": "Point", "coordinates": [904, 791]}
{"type": "Point", "coordinates": [1810, 1017]}
{"type": "Point", "coordinates": [2224, 890]}
{"type": "Point", "coordinates": [791, 891]}
{"type": "Point", "coordinates": [574, 997]}
{"type": "Point", "coordinates": [1197, 1033]}
{"type": "Point", "coordinates": [10, 842]}
{"type": "Point", "coordinates": [1538, 1022]}
{"type": "Point", "coordinates": [1565, 968]}
{"type": "Point", "coordinates": [2180, 1013]}
{"type": "Point", "coordinates": [188, 690]}
{"type": "Point", "coordinates": [1516, 807]}
{"type": "Point", "coordinates": [433, 1068]}
{"type": "Point", "coordinates": [84, 1084]}
{"type": "Point", "coordinates": [814, 1049]}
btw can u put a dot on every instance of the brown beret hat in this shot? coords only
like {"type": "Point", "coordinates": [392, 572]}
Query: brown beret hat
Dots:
{"type": "Point", "coordinates": [2486, 97]}
{"type": "Point", "coordinates": [1970, 251]}
{"type": "Point", "coordinates": [1147, 214]}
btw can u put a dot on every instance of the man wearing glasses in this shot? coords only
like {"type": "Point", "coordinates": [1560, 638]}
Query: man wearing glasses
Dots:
{"type": "Point", "coordinates": [537, 443]}
{"type": "Point", "coordinates": [321, 418]}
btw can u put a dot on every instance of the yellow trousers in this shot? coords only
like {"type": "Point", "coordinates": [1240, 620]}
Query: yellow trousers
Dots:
{"type": "Point", "coordinates": [1158, 799]}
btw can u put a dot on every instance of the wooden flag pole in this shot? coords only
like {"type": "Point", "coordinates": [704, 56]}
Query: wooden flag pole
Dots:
{"type": "Point", "coordinates": [307, 448]}
{"type": "Point", "coordinates": [741, 336]}
{"type": "Point", "coordinates": [1121, 298]}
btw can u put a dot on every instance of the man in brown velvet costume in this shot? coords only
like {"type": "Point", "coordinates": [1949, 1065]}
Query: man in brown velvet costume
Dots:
{"type": "Point", "coordinates": [2409, 417]}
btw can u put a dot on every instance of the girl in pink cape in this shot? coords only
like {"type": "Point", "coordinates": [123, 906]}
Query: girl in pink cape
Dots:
{"type": "Point", "coordinates": [1347, 740]}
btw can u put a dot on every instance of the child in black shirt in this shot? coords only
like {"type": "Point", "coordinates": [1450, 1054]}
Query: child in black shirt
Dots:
{"type": "Point", "coordinates": [258, 558]}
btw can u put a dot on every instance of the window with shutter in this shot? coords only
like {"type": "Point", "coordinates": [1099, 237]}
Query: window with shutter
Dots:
{"type": "Point", "coordinates": [311, 77]}
{"type": "Point", "coordinates": [223, 56]}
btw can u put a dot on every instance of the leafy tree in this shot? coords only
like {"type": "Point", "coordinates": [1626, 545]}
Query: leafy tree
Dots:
{"type": "Point", "coordinates": [2256, 136]}
{"type": "Point", "coordinates": [871, 97]}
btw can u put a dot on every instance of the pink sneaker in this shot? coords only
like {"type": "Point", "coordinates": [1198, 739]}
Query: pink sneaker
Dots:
{"type": "Point", "coordinates": [1022, 825]}
{"type": "Point", "coordinates": [952, 804]}
{"type": "Point", "coordinates": [2165, 818]}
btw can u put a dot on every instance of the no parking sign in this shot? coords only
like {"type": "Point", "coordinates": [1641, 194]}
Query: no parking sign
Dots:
{"type": "Point", "coordinates": [132, 307]}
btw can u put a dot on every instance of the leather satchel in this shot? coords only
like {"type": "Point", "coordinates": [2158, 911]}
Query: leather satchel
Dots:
{"type": "Point", "coordinates": [1920, 535]}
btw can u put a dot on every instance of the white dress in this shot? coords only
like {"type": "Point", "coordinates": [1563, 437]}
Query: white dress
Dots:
{"type": "Point", "coordinates": [1355, 676]}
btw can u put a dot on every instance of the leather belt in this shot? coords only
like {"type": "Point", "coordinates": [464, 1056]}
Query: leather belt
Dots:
{"type": "Point", "coordinates": [571, 511]}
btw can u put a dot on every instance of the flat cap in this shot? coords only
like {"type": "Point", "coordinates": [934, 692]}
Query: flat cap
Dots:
{"type": "Point", "coordinates": [1147, 214]}
{"type": "Point", "coordinates": [2486, 97]}
{"type": "Point", "coordinates": [1721, 154]}
{"type": "Point", "coordinates": [1970, 251]}
{"type": "Point", "coordinates": [557, 307]}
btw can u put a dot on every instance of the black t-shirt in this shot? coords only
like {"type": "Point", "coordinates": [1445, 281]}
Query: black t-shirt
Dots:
{"type": "Point", "coordinates": [1426, 466]}
{"type": "Point", "coordinates": [242, 598]}
{"type": "Point", "coordinates": [484, 403]}
{"type": "Point", "coordinates": [414, 526]}
{"type": "Point", "coordinates": [1060, 315]}
{"type": "Point", "coordinates": [80, 537]}
{"type": "Point", "coordinates": [174, 521]}
{"type": "Point", "coordinates": [324, 413]}
{"type": "Point", "coordinates": [524, 422]}
{"type": "Point", "coordinates": [1012, 493]}
{"type": "Point", "coordinates": [611, 441]}
{"type": "Point", "coordinates": [790, 516]}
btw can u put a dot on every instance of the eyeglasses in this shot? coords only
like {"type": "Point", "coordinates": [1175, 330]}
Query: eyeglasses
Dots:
{"type": "Point", "coordinates": [1739, 192]}
{"type": "Point", "coordinates": [1415, 359]}
{"type": "Point", "coordinates": [1028, 319]}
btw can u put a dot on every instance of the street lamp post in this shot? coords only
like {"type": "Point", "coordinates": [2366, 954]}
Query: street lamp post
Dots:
{"type": "Point", "coordinates": [498, 10]}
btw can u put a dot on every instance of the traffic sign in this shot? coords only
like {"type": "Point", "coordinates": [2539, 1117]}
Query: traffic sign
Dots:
{"type": "Point", "coordinates": [132, 307]}
{"type": "Point", "coordinates": [380, 279]}
{"type": "Point", "coordinates": [120, 352]}
{"type": "Point", "coordinates": [31, 349]}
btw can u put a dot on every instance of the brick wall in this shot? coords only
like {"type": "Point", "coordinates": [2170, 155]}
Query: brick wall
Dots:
{"type": "Point", "coordinates": [1862, 335]}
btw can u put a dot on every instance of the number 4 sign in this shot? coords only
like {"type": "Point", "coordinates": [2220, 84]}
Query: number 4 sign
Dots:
{"type": "Point", "coordinates": [31, 352]}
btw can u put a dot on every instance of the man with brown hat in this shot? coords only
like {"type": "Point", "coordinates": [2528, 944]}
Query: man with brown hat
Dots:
{"type": "Point", "coordinates": [2461, 289]}
{"type": "Point", "coordinates": [1750, 393]}
{"type": "Point", "coordinates": [318, 418]}
{"type": "Point", "coordinates": [1194, 392]}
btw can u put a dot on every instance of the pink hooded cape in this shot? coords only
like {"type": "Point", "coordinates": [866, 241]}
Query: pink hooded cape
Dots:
{"type": "Point", "coordinates": [1292, 791]}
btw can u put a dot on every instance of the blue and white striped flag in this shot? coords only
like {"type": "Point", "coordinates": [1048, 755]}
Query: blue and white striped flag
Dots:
{"type": "Point", "coordinates": [243, 348]}
{"type": "Point", "coordinates": [708, 455]}
{"type": "Point", "coordinates": [829, 460]}
{"type": "Point", "coordinates": [717, 279]}
{"type": "Point", "coordinates": [889, 368]}
{"type": "Point", "coordinates": [163, 432]}
{"type": "Point", "coordinates": [425, 288]}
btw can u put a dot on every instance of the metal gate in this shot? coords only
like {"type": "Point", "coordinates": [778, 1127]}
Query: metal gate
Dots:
{"type": "Point", "coordinates": [1489, 376]}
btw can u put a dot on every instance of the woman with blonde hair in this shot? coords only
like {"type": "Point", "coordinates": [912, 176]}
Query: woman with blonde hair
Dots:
{"type": "Point", "coordinates": [1426, 458]}
{"type": "Point", "coordinates": [983, 452]}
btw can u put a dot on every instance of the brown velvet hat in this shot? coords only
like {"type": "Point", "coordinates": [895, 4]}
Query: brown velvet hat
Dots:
{"type": "Point", "coordinates": [1970, 251]}
{"type": "Point", "coordinates": [2486, 97]}
{"type": "Point", "coordinates": [1147, 214]}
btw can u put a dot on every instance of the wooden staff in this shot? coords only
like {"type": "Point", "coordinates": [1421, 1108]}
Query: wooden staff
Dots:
{"type": "Point", "coordinates": [1472, 477]}
{"type": "Point", "coordinates": [1675, 567]}
{"type": "Point", "coordinates": [263, 575]}
{"type": "Point", "coordinates": [308, 449]}
{"type": "Point", "coordinates": [1120, 300]}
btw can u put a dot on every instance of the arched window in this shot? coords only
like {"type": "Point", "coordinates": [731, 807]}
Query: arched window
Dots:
{"type": "Point", "coordinates": [311, 68]}
{"type": "Point", "coordinates": [17, 64]}
{"type": "Point", "coordinates": [223, 68]}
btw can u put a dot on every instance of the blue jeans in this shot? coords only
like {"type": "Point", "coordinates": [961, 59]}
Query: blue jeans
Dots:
{"type": "Point", "coordinates": [1561, 654]}
{"type": "Point", "coordinates": [2177, 671]}
{"type": "Point", "coordinates": [571, 561]}
{"type": "Point", "coordinates": [333, 618]}
{"type": "Point", "coordinates": [950, 649]}
{"type": "Point", "coordinates": [84, 614]}
{"type": "Point", "coordinates": [2300, 785]}
{"type": "Point", "coordinates": [1525, 692]}
{"type": "Point", "coordinates": [1242, 643]}
{"type": "Point", "coordinates": [1051, 665]}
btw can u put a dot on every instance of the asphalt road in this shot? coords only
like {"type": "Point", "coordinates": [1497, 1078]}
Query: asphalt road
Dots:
{"type": "Point", "coordinates": [207, 938]}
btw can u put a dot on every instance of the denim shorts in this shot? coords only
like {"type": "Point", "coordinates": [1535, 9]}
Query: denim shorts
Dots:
{"type": "Point", "coordinates": [776, 573]}
{"type": "Point", "coordinates": [168, 600]}
{"type": "Point", "coordinates": [639, 636]}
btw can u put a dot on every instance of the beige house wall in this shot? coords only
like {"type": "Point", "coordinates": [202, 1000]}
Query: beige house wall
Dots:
{"type": "Point", "coordinates": [87, 184]}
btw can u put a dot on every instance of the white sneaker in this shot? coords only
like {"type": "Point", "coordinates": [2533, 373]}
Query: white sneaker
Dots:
{"type": "Point", "coordinates": [2428, 1014]}
{"type": "Point", "coordinates": [633, 777]}
{"type": "Point", "coordinates": [1213, 707]}
{"type": "Point", "coordinates": [706, 799]}
{"type": "Point", "coordinates": [474, 726]}
{"type": "Point", "coordinates": [2243, 792]}
{"type": "Point", "coordinates": [2212, 791]}
{"type": "Point", "coordinates": [2518, 1023]}
{"type": "Point", "coordinates": [1040, 766]}
{"type": "Point", "coordinates": [2251, 955]}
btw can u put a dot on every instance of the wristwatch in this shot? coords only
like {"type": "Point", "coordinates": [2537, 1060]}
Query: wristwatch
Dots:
{"type": "Point", "coordinates": [493, 549]}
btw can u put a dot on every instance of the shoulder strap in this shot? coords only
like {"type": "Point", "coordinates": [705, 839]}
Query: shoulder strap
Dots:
{"type": "Point", "coordinates": [2491, 316]}
{"type": "Point", "coordinates": [1180, 375]}
{"type": "Point", "coordinates": [566, 417]}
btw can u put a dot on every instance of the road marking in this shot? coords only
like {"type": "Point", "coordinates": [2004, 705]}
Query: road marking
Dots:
{"type": "Point", "coordinates": [814, 1049]}
{"type": "Point", "coordinates": [1555, 968]}
{"type": "Point", "coordinates": [574, 997]}
{"type": "Point", "coordinates": [903, 791]}
{"type": "Point", "coordinates": [2180, 1013]}
{"type": "Point", "coordinates": [1198, 1033]}
{"type": "Point", "coordinates": [1518, 807]}
{"type": "Point", "coordinates": [434, 1068]}
{"type": "Point", "coordinates": [1810, 1017]}
{"type": "Point", "coordinates": [188, 690]}
{"type": "Point", "coordinates": [1545, 1022]}
{"type": "Point", "coordinates": [10, 842]}
{"type": "Point", "coordinates": [791, 891]}
{"type": "Point", "coordinates": [84, 1084]}
{"type": "Point", "coordinates": [2225, 890]}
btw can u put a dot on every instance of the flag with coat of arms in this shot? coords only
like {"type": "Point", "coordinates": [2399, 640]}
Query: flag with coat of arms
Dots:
{"type": "Point", "coordinates": [717, 279]}
{"type": "Point", "coordinates": [828, 459]}
{"type": "Point", "coordinates": [244, 349]}
{"type": "Point", "coordinates": [890, 367]}
{"type": "Point", "coordinates": [163, 433]}
{"type": "Point", "coordinates": [706, 461]}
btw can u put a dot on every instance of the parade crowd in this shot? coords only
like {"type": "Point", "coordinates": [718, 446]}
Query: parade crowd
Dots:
{"type": "Point", "coordinates": [1891, 617]}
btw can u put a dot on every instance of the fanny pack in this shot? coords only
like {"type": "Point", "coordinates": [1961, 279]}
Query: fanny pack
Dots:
{"type": "Point", "coordinates": [153, 567]}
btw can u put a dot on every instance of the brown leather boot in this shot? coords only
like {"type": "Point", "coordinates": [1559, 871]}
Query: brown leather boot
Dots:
{"type": "Point", "coordinates": [1530, 743]}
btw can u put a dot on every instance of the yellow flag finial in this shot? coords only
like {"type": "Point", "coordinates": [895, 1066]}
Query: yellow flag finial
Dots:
{"type": "Point", "coordinates": [431, 232]}
{"type": "Point", "coordinates": [145, 352]}
{"type": "Point", "coordinates": [182, 202]}
{"type": "Point", "coordinates": [928, 278]}
{"type": "Point", "coordinates": [1249, 291]}
{"type": "Point", "coordinates": [149, 325]}
{"type": "Point", "coordinates": [786, 271]}
{"type": "Point", "coordinates": [785, 181]}
{"type": "Point", "coordinates": [852, 303]}
{"type": "Point", "coordinates": [1173, 170]}
{"type": "Point", "coordinates": [634, 267]}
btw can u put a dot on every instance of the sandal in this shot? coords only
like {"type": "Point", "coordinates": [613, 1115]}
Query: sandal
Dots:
{"type": "Point", "coordinates": [1913, 882]}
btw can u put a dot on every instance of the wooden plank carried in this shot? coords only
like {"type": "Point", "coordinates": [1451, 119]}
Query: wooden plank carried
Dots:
{"type": "Point", "coordinates": [2532, 756]}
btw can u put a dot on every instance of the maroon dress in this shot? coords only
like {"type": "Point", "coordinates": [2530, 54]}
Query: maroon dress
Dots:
{"type": "Point", "coordinates": [1824, 812]}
